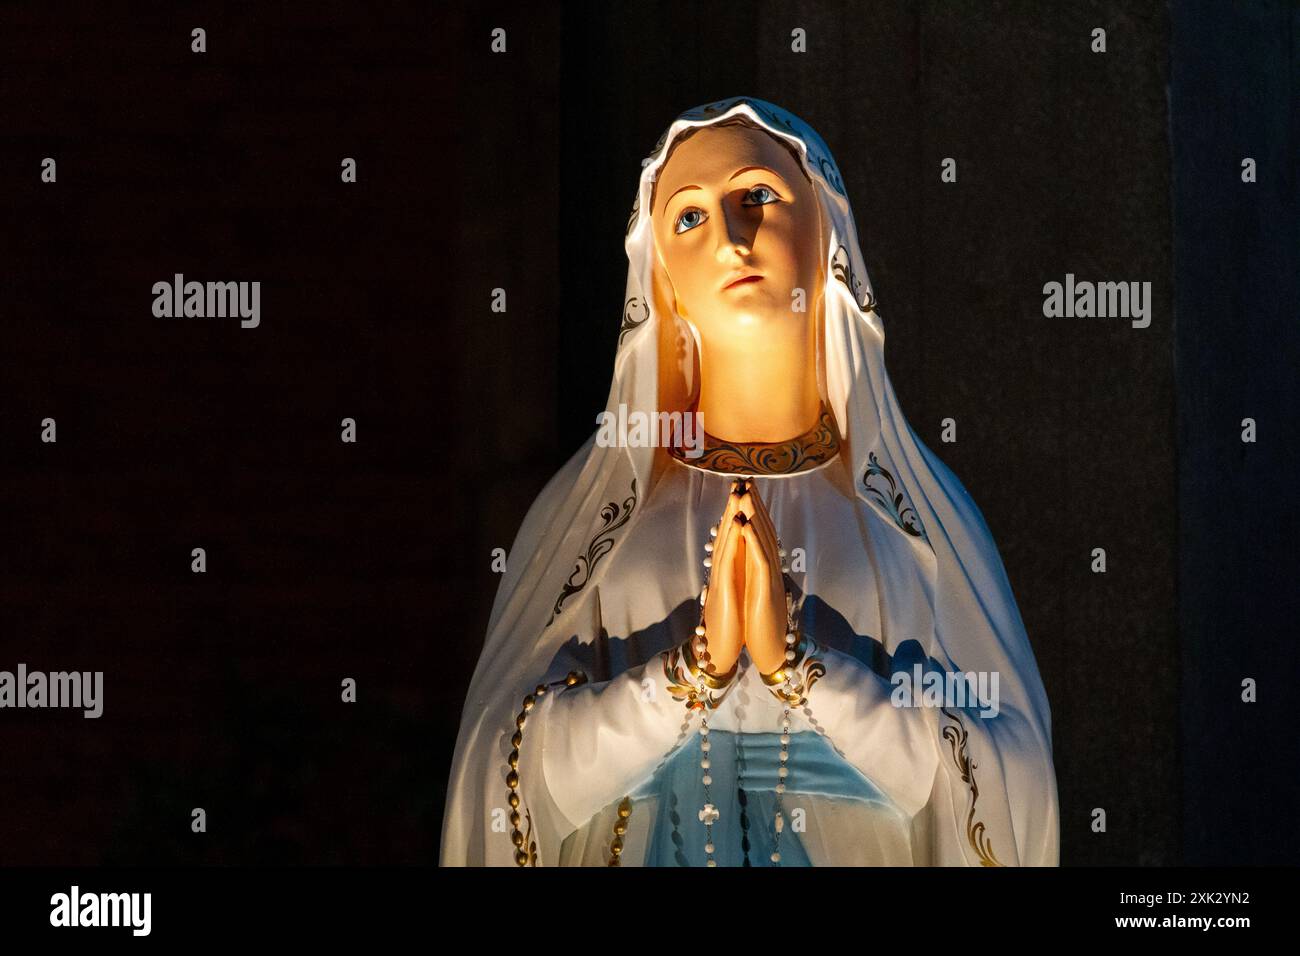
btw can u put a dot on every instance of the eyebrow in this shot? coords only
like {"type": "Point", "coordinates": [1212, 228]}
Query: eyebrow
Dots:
{"type": "Point", "coordinates": [675, 192]}
{"type": "Point", "coordinates": [766, 169]}
{"type": "Point", "coordinates": [736, 174]}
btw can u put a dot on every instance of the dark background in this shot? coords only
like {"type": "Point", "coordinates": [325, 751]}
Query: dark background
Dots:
{"type": "Point", "coordinates": [479, 171]}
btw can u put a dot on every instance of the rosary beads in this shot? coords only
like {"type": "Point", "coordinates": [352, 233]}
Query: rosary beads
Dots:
{"type": "Point", "coordinates": [783, 679]}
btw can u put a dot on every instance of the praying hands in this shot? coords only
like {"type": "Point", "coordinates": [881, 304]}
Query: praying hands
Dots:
{"type": "Point", "coordinates": [745, 605]}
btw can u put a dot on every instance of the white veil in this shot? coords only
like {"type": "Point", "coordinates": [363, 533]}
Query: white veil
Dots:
{"type": "Point", "coordinates": [994, 801]}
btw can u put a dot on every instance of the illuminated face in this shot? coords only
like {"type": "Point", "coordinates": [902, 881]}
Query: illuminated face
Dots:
{"type": "Point", "coordinates": [737, 228]}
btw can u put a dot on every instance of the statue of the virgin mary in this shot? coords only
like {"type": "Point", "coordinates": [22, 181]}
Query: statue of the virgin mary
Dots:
{"type": "Point", "coordinates": [771, 641]}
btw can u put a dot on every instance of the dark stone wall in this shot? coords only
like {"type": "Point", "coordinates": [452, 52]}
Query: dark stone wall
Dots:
{"type": "Point", "coordinates": [1237, 252]}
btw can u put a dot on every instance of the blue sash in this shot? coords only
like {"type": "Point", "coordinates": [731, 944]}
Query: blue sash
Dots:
{"type": "Point", "coordinates": [744, 771]}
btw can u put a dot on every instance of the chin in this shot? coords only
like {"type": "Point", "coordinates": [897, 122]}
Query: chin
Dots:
{"type": "Point", "coordinates": [759, 314]}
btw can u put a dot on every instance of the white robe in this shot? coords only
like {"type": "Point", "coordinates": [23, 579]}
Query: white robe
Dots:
{"type": "Point", "coordinates": [587, 747]}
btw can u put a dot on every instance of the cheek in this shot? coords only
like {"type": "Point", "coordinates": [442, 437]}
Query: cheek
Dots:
{"type": "Point", "coordinates": [800, 250]}
{"type": "Point", "coordinates": [686, 272]}
{"type": "Point", "coordinates": [786, 248]}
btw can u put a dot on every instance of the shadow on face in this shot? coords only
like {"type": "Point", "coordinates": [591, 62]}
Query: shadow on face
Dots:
{"type": "Point", "coordinates": [737, 232]}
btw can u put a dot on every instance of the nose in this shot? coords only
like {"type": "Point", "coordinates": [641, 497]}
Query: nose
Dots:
{"type": "Point", "coordinates": [733, 241]}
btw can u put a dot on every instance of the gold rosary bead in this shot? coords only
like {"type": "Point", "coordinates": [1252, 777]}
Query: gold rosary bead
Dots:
{"type": "Point", "coordinates": [512, 779]}
{"type": "Point", "coordinates": [529, 701]}
{"type": "Point", "coordinates": [513, 759]}
{"type": "Point", "coordinates": [539, 690]}
{"type": "Point", "coordinates": [515, 819]}
{"type": "Point", "coordinates": [517, 838]}
{"type": "Point", "coordinates": [516, 740]}
{"type": "Point", "coordinates": [620, 827]}
{"type": "Point", "coordinates": [513, 799]}
{"type": "Point", "coordinates": [521, 858]}
{"type": "Point", "coordinates": [520, 721]}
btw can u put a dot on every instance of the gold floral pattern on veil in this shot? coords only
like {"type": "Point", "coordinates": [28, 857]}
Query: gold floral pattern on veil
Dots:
{"type": "Point", "coordinates": [842, 269]}
{"type": "Point", "coordinates": [631, 308]}
{"type": "Point", "coordinates": [893, 500]}
{"type": "Point", "coordinates": [818, 445]}
{"type": "Point", "coordinates": [614, 517]}
{"type": "Point", "coordinates": [979, 840]}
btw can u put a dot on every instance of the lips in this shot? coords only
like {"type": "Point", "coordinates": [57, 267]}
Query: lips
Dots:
{"type": "Point", "coordinates": [743, 279]}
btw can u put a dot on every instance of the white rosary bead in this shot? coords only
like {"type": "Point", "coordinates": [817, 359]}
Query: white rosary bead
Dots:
{"type": "Point", "coordinates": [709, 814]}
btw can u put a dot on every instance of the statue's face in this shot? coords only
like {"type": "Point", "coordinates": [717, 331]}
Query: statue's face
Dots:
{"type": "Point", "coordinates": [736, 226]}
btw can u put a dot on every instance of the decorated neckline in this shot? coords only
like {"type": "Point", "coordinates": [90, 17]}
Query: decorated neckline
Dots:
{"type": "Point", "coordinates": [812, 449]}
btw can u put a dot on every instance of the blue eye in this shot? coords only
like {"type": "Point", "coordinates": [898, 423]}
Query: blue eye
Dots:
{"type": "Point", "coordinates": [760, 196]}
{"type": "Point", "coordinates": [685, 222]}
